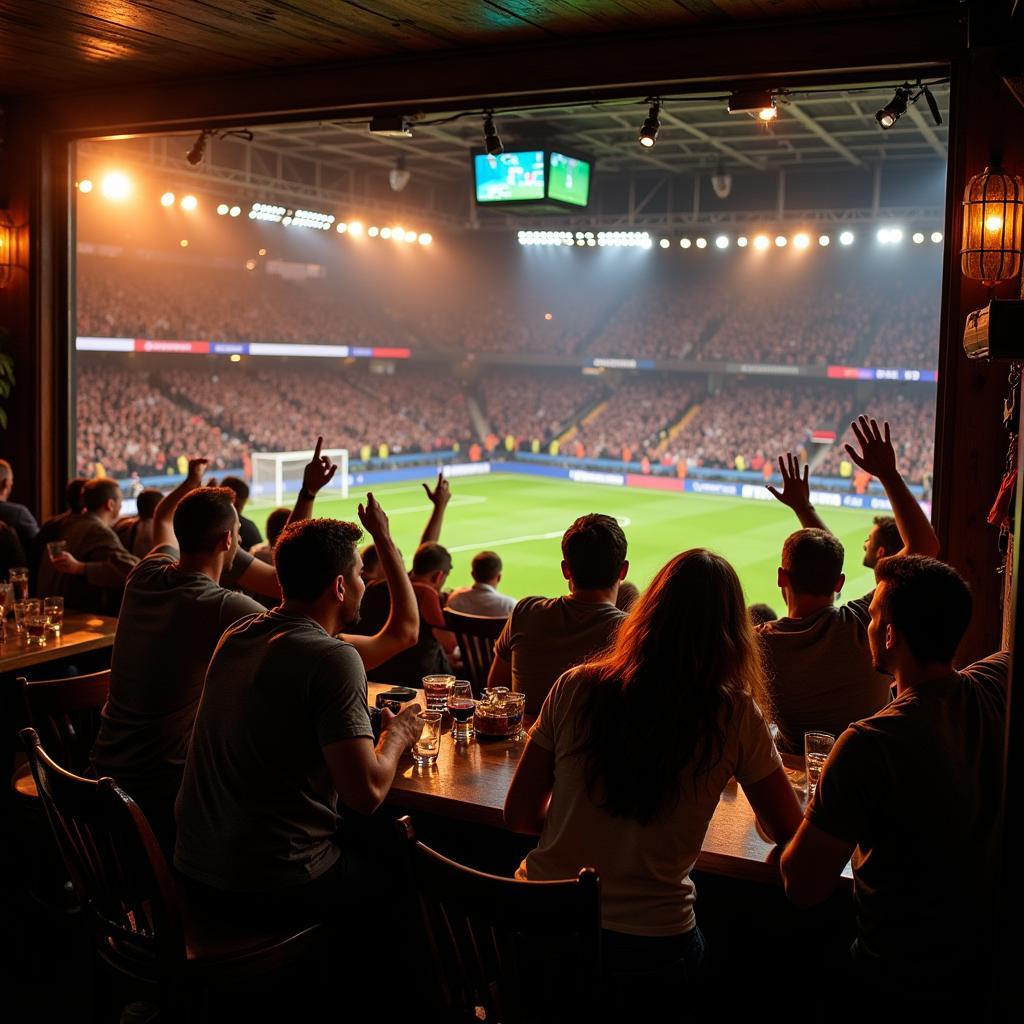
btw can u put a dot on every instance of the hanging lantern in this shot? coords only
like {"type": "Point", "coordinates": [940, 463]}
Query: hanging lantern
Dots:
{"type": "Point", "coordinates": [993, 226]}
{"type": "Point", "coordinates": [6, 254]}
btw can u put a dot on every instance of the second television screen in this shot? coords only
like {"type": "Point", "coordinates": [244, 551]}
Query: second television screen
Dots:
{"type": "Point", "coordinates": [510, 177]}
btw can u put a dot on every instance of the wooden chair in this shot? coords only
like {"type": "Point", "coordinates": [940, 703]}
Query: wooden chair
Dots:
{"type": "Point", "coordinates": [475, 635]}
{"type": "Point", "coordinates": [66, 715]}
{"type": "Point", "coordinates": [520, 951]}
{"type": "Point", "coordinates": [147, 927]}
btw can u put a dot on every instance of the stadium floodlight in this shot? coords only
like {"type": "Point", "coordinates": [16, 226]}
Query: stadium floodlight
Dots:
{"type": "Point", "coordinates": [846, 238]}
{"type": "Point", "coordinates": [276, 474]}
{"type": "Point", "coordinates": [385, 233]}
{"type": "Point", "coordinates": [85, 186]}
{"type": "Point", "coordinates": [781, 241]}
{"type": "Point", "coordinates": [341, 227]}
{"type": "Point", "coordinates": [374, 231]}
{"type": "Point", "coordinates": [742, 241]}
{"type": "Point", "coordinates": [936, 237]}
{"type": "Point", "coordinates": [664, 243]}
{"type": "Point", "coordinates": [722, 241]}
{"type": "Point", "coordinates": [189, 202]}
{"type": "Point", "coordinates": [702, 243]}
{"type": "Point", "coordinates": [411, 236]}
{"type": "Point", "coordinates": [355, 228]}
{"type": "Point", "coordinates": [167, 199]}
{"type": "Point", "coordinates": [918, 237]}
{"type": "Point", "coordinates": [222, 209]}
{"type": "Point", "coordinates": [762, 242]}
{"type": "Point", "coordinates": [426, 238]}
{"type": "Point", "coordinates": [235, 211]}
{"type": "Point", "coordinates": [801, 240]}
{"type": "Point", "coordinates": [116, 186]}
{"type": "Point", "coordinates": [492, 141]}
{"type": "Point", "coordinates": [754, 101]}
{"type": "Point", "coordinates": [651, 126]}
{"type": "Point", "coordinates": [184, 243]}
{"type": "Point", "coordinates": [267, 212]}
{"type": "Point", "coordinates": [685, 243]}
{"type": "Point", "coordinates": [824, 240]}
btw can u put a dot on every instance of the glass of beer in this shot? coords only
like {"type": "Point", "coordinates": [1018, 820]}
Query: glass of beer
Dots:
{"type": "Point", "coordinates": [35, 628]}
{"type": "Point", "coordinates": [55, 548]}
{"type": "Point", "coordinates": [19, 580]}
{"type": "Point", "coordinates": [23, 609]}
{"type": "Point", "coordinates": [461, 707]}
{"type": "Point", "coordinates": [53, 609]}
{"type": "Point", "coordinates": [816, 749]}
{"type": "Point", "coordinates": [435, 691]}
{"type": "Point", "coordinates": [426, 748]}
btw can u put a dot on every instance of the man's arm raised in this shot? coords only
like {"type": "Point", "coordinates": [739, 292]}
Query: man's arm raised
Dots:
{"type": "Point", "coordinates": [439, 498]}
{"type": "Point", "coordinates": [796, 492]}
{"type": "Point", "coordinates": [878, 457]}
{"type": "Point", "coordinates": [163, 517]}
{"type": "Point", "coordinates": [401, 630]}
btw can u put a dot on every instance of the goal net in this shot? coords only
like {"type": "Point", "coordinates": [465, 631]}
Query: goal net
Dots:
{"type": "Point", "coordinates": [277, 475]}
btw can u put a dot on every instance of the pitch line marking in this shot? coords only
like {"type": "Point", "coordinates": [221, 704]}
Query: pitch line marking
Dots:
{"type": "Point", "coordinates": [482, 545]}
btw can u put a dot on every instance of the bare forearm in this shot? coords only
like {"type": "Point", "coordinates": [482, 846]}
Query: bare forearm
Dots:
{"type": "Point", "coordinates": [404, 616]}
{"type": "Point", "coordinates": [432, 531]}
{"type": "Point", "coordinates": [389, 751]}
{"type": "Point", "coordinates": [163, 517]}
{"type": "Point", "coordinates": [809, 518]}
{"type": "Point", "coordinates": [918, 536]}
{"type": "Point", "coordinates": [303, 507]}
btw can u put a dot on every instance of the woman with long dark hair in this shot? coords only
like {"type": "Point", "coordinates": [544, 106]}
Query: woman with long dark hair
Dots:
{"type": "Point", "coordinates": [630, 754]}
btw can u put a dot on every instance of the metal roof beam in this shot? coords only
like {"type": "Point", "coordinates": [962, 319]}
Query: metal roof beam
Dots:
{"type": "Point", "coordinates": [926, 130]}
{"type": "Point", "coordinates": [669, 118]}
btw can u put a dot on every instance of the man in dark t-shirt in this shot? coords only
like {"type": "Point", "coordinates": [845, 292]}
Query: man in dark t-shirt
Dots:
{"type": "Point", "coordinates": [914, 795]}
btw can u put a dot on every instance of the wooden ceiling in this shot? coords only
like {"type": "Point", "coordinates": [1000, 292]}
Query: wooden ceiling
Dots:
{"type": "Point", "coordinates": [54, 46]}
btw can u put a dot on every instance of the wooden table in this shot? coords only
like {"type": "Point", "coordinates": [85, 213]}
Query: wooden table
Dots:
{"type": "Point", "coordinates": [82, 632]}
{"type": "Point", "coordinates": [469, 783]}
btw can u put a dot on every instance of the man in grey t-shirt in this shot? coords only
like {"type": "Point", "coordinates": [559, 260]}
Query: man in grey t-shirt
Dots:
{"type": "Point", "coordinates": [820, 672]}
{"type": "Point", "coordinates": [546, 636]}
{"type": "Point", "coordinates": [282, 735]}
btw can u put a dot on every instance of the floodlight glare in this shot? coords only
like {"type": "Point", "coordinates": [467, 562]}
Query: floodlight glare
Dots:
{"type": "Point", "coordinates": [823, 240]}
{"type": "Point", "coordinates": [235, 211]}
{"type": "Point", "coordinates": [742, 241]}
{"type": "Point", "coordinates": [189, 202]}
{"type": "Point", "coordinates": [385, 232]}
{"type": "Point", "coordinates": [722, 242]}
{"type": "Point", "coordinates": [801, 240]}
{"type": "Point", "coordinates": [846, 238]}
{"type": "Point", "coordinates": [762, 242]}
{"type": "Point", "coordinates": [702, 243]}
{"type": "Point", "coordinates": [426, 238]}
{"type": "Point", "coordinates": [918, 237]}
{"type": "Point", "coordinates": [649, 131]}
{"type": "Point", "coordinates": [685, 243]}
{"type": "Point", "coordinates": [936, 237]}
{"type": "Point", "coordinates": [781, 241]}
{"type": "Point", "coordinates": [85, 185]}
{"type": "Point", "coordinates": [664, 243]}
{"type": "Point", "coordinates": [374, 231]}
{"type": "Point", "coordinates": [222, 208]}
{"type": "Point", "coordinates": [116, 186]}
{"type": "Point", "coordinates": [167, 199]}
{"type": "Point", "coordinates": [355, 228]}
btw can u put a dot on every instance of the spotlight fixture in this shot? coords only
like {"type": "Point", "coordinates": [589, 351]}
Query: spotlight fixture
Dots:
{"type": "Point", "coordinates": [649, 131]}
{"type": "Point", "coordinates": [198, 151]}
{"type": "Point", "coordinates": [759, 102]}
{"type": "Point", "coordinates": [905, 95]}
{"type": "Point", "coordinates": [399, 175]}
{"type": "Point", "coordinates": [492, 142]}
{"type": "Point", "coordinates": [391, 126]}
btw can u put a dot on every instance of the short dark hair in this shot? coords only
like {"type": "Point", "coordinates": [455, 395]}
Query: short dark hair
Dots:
{"type": "Point", "coordinates": [486, 566]}
{"type": "Point", "coordinates": [431, 557]}
{"type": "Point", "coordinates": [310, 555]}
{"type": "Point", "coordinates": [73, 493]}
{"type": "Point", "coordinates": [594, 548]}
{"type": "Point", "coordinates": [370, 558]}
{"type": "Point", "coordinates": [628, 595]}
{"type": "Point", "coordinates": [147, 502]}
{"type": "Point", "coordinates": [239, 487]}
{"type": "Point", "coordinates": [888, 535]}
{"type": "Point", "coordinates": [813, 561]}
{"type": "Point", "coordinates": [202, 517]}
{"type": "Point", "coordinates": [276, 522]}
{"type": "Point", "coordinates": [928, 603]}
{"type": "Point", "coordinates": [96, 493]}
{"type": "Point", "coordinates": [761, 613]}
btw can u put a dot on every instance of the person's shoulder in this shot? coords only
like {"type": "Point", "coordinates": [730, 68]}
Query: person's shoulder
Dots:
{"type": "Point", "coordinates": [856, 612]}
{"type": "Point", "coordinates": [156, 563]}
{"type": "Point", "coordinates": [992, 671]}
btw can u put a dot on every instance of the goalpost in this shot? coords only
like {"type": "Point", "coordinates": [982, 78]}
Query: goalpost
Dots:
{"type": "Point", "coordinates": [277, 474]}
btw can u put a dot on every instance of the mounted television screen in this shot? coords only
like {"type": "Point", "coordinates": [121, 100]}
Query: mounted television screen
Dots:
{"type": "Point", "coordinates": [569, 179]}
{"type": "Point", "coordinates": [509, 178]}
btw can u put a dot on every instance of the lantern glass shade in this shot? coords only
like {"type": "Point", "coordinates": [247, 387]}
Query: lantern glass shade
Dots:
{"type": "Point", "coordinates": [993, 226]}
{"type": "Point", "coordinates": [6, 251]}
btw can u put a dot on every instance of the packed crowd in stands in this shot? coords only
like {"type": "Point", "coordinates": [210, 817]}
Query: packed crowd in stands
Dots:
{"type": "Point", "coordinates": [908, 335]}
{"type": "Point", "coordinates": [526, 404]}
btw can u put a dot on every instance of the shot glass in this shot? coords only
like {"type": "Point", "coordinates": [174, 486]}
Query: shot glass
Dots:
{"type": "Point", "coordinates": [816, 749]}
{"type": "Point", "coordinates": [435, 691]}
{"type": "Point", "coordinates": [53, 609]}
{"type": "Point", "coordinates": [426, 748]}
{"type": "Point", "coordinates": [35, 629]}
{"type": "Point", "coordinates": [19, 580]}
{"type": "Point", "coordinates": [55, 548]}
{"type": "Point", "coordinates": [24, 608]}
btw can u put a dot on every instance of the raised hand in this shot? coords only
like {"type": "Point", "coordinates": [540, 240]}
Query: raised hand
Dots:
{"type": "Point", "coordinates": [373, 518]}
{"type": "Point", "coordinates": [877, 455]}
{"type": "Point", "coordinates": [406, 725]}
{"type": "Point", "coordinates": [796, 489]}
{"type": "Point", "coordinates": [319, 470]}
{"type": "Point", "coordinates": [442, 492]}
{"type": "Point", "coordinates": [195, 471]}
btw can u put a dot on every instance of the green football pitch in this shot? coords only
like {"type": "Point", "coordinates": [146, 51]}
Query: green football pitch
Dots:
{"type": "Point", "coordinates": [522, 518]}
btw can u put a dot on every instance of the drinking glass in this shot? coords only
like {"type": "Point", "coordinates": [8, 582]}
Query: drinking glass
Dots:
{"type": "Point", "coordinates": [6, 598]}
{"type": "Point", "coordinates": [22, 609]}
{"type": "Point", "coordinates": [435, 691]}
{"type": "Point", "coordinates": [816, 748]}
{"type": "Point", "coordinates": [461, 707]}
{"type": "Point", "coordinates": [426, 748]}
{"type": "Point", "coordinates": [53, 609]}
{"type": "Point", "coordinates": [35, 629]}
{"type": "Point", "coordinates": [55, 548]}
{"type": "Point", "coordinates": [19, 580]}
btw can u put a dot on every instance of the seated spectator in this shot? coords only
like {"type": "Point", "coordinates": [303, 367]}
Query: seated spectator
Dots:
{"type": "Point", "coordinates": [90, 574]}
{"type": "Point", "coordinates": [761, 613]}
{"type": "Point", "coordinates": [276, 522]}
{"type": "Point", "coordinates": [820, 672]}
{"type": "Point", "coordinates": [435, 649]}
{"type": "Point", "coordinates": [884, 539]}
{"type": "Point", "coordinates": [627, 596]}
{"type": "Point", "coordinates": [546, 636]}
{"type": "Point", "coordinates": [627, 761]}
{"type": "Point", "coordinates": [50, 530]}
{"type": "Point", "coordinates": [250, 532]}
{"type": "Point", "coordinates": [914, 795]}
{"type": "Point", "coordinates": [482, 598]}
{"type": "Point", "coordinates": [282, 738]}
{"type": "Point", "coordinates": [16, 516]}
{"type": "Point", "coordinates": [136, 532]}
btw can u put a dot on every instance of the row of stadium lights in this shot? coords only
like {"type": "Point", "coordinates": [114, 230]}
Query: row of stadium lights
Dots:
{"type": "Point", "coordinates": [643, 240]}
{"type": "Point", "coordinates": [117, 187]}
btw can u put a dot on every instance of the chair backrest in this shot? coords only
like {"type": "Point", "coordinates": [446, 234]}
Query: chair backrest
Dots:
{"type": "Point", "coordinates": [475, 635]}
{"type": "Point", "coordinates": [114, 862]}
{"type": "Point", "coordinates": [66, 715]}
{"type": "Point", "coordinates": [521, 950]}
